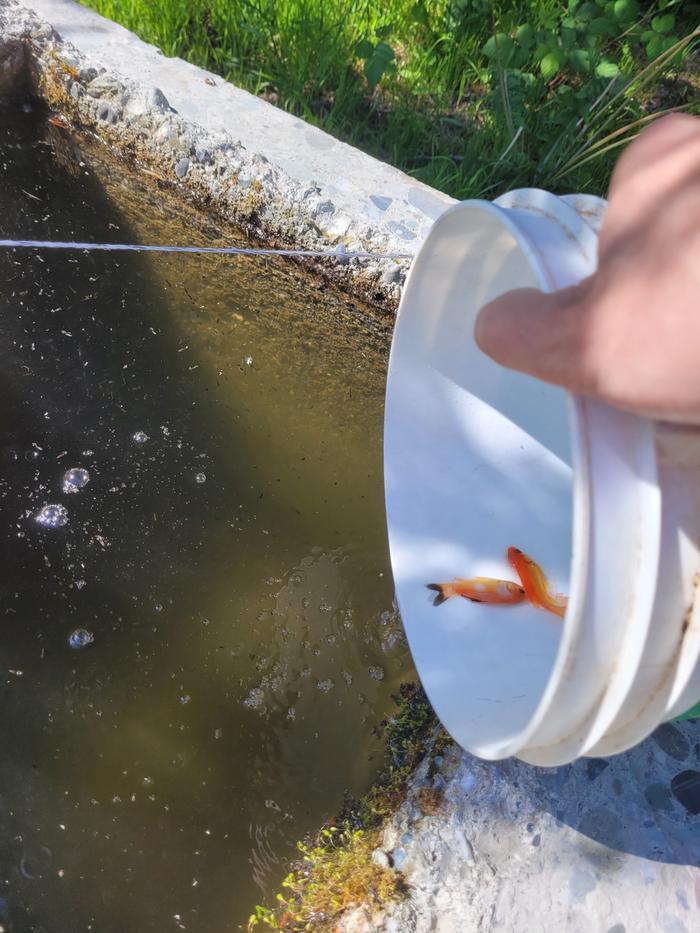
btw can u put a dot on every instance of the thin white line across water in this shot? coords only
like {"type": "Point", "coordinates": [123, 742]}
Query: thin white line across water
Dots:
{"type": "Point", "coordinates": [340, 253]}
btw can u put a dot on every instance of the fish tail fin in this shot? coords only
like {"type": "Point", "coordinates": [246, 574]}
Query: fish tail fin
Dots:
{"type": "Point", "coordinates": [561, 604]}
{"type": "Point", "coordinates": [443, 592]}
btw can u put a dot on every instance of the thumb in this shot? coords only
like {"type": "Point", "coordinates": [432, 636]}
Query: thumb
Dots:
{"type": "Point", "coordinates": [538, 333]}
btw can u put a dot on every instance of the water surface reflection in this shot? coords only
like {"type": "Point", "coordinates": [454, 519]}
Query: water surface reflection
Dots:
{"type": "Point", "coordinates": [226, 554]}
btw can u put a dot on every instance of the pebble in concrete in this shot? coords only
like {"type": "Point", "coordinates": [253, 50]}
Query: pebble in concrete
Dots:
{"type": "Point", "coordinates": [182, 167]}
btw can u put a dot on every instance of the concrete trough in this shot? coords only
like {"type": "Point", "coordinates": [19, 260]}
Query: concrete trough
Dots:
{"type": "Point", "coordinates": [271, 174]}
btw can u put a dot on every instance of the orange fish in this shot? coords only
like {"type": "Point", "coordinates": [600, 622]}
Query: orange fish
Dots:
{"type": "Point", "coordinates": [479, 590]}
{"type": "Point", "coordinates": [535, 583]}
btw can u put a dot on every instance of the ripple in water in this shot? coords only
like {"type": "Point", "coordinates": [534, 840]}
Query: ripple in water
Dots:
{"type": "Point", "coordinates": [200, 478]}
{"type": "Point", "coordinates": [80, 637]}
{"type": "Point", "coordinates": [52, 516]}
{"type": "Point", "coordinates": [35, 862]}
{"type": "Point", "coordinates": [139, 437]}
{"type": "Point", "coordinates": [75, 479]}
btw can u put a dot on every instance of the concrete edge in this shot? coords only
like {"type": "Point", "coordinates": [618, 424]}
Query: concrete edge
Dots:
{"type": "Point", "coordinates": [258, 180]}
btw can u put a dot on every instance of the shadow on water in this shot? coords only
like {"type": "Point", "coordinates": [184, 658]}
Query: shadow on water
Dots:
{"type": "Point", "coordinates": [231, 567]}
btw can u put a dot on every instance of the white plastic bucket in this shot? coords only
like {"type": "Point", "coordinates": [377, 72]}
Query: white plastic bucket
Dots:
{"type": "Point", "coordinates": [478, 458]}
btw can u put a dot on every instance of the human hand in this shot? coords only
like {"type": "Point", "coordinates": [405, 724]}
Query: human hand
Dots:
{"type": "Point", "coordinates": [630, 333]}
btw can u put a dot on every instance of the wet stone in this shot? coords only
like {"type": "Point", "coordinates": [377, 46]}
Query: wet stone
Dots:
{"type": "Point", "coordinates": [380, 858]}
{"type": "Point", "coordinates": [604, 826]}
{"type": "Point", "coordinates": [106, 114]}
{"type": "Point", "coordinates": [182, 168]}
{"type": "Point", "coordinates": [659, 797]}
{"type": "Point", "coordinates": [594, 767]}
{"type": "Point", "coordinates": [398, 857]}
{"type": "Point", "coordinates": [157, 99]}
{"type": "Point", "coordinates": [380, 201]}
{"type": "Point", "coordinates": [671, 740]}
{"type": "Point", "coordinates": [203, 155]}
{"type": "Point", "coordinates": [104, 86]}
{"type": "Point", "coordinates": [401, 230]}
{"type": "Point", "coordinates": [686, 789]}
{"type": "Point", "coordinates": [391, 276]}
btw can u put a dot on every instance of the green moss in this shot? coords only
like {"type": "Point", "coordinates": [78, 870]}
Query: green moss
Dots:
{"type": "Point", "coordinates": [334, 875]}
{"type": "Point", "coordinates": [53, 83]}
{"type": "Point", "coordinates": [335, 871]}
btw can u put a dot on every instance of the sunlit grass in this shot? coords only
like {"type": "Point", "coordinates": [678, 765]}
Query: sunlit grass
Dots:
{"type": "Point", "coordinates": [422, 84]}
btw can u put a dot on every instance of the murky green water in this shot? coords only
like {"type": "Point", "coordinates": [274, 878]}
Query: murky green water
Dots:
{"type": "Point", "coordinates": [232, 567]}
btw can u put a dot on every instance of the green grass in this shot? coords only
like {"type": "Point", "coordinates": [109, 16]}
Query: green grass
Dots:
{"type": "Point", "coordinates": [470, 96]}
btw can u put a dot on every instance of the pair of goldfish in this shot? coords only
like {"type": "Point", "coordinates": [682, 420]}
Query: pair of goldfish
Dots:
{"type": "Point", "coordinates": [534, 586]}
